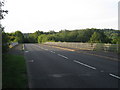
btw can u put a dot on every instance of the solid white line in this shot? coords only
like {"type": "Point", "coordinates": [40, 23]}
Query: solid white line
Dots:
{"type": "Point", "coordinates": [84, 64]}
{"type": "Point", "coordinates": [63, 56]}
{"type": "Point", "coordinates": [114, 76]}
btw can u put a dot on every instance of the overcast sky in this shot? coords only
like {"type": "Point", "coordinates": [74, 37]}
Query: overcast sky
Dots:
{"type": "Point", "coordinates": [44, 15]}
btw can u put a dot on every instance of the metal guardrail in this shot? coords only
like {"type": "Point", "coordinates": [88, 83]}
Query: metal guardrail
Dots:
{"type": "Point", "coordinates": [87, 46]}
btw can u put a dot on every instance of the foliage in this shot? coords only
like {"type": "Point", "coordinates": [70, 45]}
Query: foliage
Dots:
{"type": "Point", "coordinates": [97, 37]}
{"type": "Point", "coordinates": [2, 12]}
{"type": "Point", "coordinates": [19, 37]}
{"type": "Point", "coordinates": [42, 38]}
{"type": "Point", "coordinates": [4, 35]}
{"type": "Point", "coordinates": [5, 44]}
{"type": "Point", "coordinates": [32, 37]}
{"type": "Point", "coordinates": [84, 35]}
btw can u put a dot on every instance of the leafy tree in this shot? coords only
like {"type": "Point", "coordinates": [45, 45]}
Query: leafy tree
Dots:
{"type": "Point", "coordinates": [72, 36]}
{"type": "Point", "coordinates": [96, 38]}
{"type": "Point", "coordinates": [32, 37]}
{"type": "Point", "coordinates": [50, 37]}
{"type": "Point", "coordinates": [36, 34]}
{"type": "Point", "coordinates": [116, 37]}
{"type": "Point", "coordinates": [51, 32]}
{"type": "Point", "coordinates": [2, 12]}
{"type": "Point", "coordinates": [4, 35]}
{"type": "Point", "coordinates": [81, 36]}
{"type": "Point", "coordinates": [5, 40]}
{"type": "Point", "coordinates": [19, 37]}
{"type": "Point", "coordinates": [42, 38]}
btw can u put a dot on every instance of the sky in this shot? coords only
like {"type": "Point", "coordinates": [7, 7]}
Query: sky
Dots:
{"type": "Point", "coordinates": [29, 16]}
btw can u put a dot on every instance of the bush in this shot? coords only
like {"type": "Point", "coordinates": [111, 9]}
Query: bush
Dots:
{"type": "Point", "coordinates": [5, 44]}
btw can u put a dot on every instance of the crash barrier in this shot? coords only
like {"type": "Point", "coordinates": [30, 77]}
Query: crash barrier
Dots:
{"type": "Point", "coordinates": [88, 46]}
{"type": "Point", "coordinates": [13, 44]}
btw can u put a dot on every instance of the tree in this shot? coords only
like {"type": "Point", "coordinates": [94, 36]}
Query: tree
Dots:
{"type": "Point", "coordinates": [51, 32]}
{"type": "Point", "coordinates": [19, 37]}
{"type": "Point", "coordinates": [42, 38]}
{"type": "Point", "coordinates": [4, 35]}
{"type": "Point", "coordinates": [5, 40]}
{"type": "Point", "coordinates": [2, 12]}
{"type": "Point", "coordinates": [116, 38]}
{"type": "Point", "coordinates": [98, 37]}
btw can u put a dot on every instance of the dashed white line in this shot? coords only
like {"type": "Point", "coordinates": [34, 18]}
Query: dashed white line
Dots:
{"type": "Point", "coordinates": [52, 51]}
{"type": "Point", "coordinates": [114, 76]}
{"type": "Point", "coordinates": [101, 71]}
{"type": "Point", "coordinates": [63, 56]}
{"type": "Point", "coordinates": [31, 61]}
{"type": "Point", "coordinates": [84, 64]}
{"type": "Point", "coordinates": [26, 51]}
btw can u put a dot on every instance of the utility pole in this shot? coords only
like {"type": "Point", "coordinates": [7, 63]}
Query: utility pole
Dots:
{"type": "Point", "coordinates": [119, 15]}
{"type": "Point", "coordinates": [118, 25]}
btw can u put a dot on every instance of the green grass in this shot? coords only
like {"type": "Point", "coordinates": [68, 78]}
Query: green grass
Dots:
{"type": "Point", "coordinates": [14, 72]}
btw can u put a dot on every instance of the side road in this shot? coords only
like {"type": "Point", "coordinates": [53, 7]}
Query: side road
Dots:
{"type": "Point", "coordinates": [110, 55]}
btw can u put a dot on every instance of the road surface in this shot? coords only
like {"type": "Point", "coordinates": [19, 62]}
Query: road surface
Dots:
{"type": "Point", "coordinates": [50, 67]}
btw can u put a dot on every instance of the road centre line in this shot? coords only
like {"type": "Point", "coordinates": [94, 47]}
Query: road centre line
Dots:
{"type": "Point", "coordinates": [63, 56]}
{"type": "Point", "coordinates": [114, 76]}
{"type": "Point", "coordinates": [84, 64]}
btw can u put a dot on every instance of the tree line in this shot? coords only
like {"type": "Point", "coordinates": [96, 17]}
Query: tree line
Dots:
{"type": "Point", "coordinates": [83, 35]}
{"type": "Point", "coordinates": [92, 35]}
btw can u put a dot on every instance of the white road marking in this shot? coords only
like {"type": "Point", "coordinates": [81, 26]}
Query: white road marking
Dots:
{"type": "Point", "coordinates": [26, 51]}
{"type": "Point", "coordinates": [56, 75]}
{"type": "Point", "coordinates": [114, 76]}
{"type": "Point", "coordinates": [101, 71]}
{"type": "Point", "coordinates": [45, 49]}
{"type": "Point", "coordinates": [40, 47]}
{"type": "Point", "coordinates": [23, 47]}
{"type": "Point", "coordinates": [52, 51]}
{"type": "Point", "coordinates": [84, 64]}
{"type": "Point", "coordinates": [31, 61]}
{"type": "Point", "coordinates": [63, 56]}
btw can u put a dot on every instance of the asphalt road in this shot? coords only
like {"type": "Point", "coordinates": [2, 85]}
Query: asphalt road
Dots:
{"type": "Point", "coordinates": [50, 67]}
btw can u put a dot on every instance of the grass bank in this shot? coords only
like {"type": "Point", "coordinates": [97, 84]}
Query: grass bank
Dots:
{"type": "Point", "coordinates": [14, 72]}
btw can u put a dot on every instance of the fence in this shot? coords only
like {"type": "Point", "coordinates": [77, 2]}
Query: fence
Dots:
{"type": "Point", "coordinates": [88, 46]}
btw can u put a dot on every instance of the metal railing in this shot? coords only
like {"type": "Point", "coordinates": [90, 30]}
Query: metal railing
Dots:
{"type": "Point", "coordinates": [87, 46]}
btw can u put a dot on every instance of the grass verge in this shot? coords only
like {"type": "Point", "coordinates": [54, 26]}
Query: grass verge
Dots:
{"type": "Point", "coordinates": [14, 74]}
